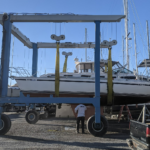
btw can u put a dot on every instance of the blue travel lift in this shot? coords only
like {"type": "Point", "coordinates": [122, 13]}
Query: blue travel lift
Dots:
{"type": "Point", "coordinates": [96, 125]}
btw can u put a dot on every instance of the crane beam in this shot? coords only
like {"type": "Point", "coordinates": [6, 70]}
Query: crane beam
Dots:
{"type": "Point", "coordinates": [27, 17]}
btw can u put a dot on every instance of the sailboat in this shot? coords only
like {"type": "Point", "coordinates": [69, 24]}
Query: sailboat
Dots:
{"type": "Point", "coordinates": [128, 87]}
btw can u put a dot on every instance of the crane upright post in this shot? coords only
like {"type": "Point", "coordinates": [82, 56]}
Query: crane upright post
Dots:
{"type": "Point", "coordinates": [5, 55]}
{"type": "Point", "coordinates": [34, 60]}
{"type": "Point", "coordinates": [97, 73]}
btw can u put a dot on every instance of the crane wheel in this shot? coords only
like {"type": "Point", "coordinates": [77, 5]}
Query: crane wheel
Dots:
{"type": "Point", "coordinates": [32, 116]}
{"type": "Point", "coordinates": [94, 131]}
{"type": "Point", "coordinates": [6, 124]}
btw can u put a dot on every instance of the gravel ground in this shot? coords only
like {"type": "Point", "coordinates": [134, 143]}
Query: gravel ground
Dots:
{"type": "Point", "coordinates": [59, 134]}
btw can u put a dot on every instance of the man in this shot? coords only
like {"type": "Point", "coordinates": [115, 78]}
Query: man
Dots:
{"type": "Point", "coordinates": [80, 116]}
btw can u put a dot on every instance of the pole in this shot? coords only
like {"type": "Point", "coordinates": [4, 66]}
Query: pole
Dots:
{"type": "Point", "coordinates": [126, 30]}
{"type": "Point", "coordinates": [123, 48]}
{"type": "Point", "coordinates": [100, 42]}
{"type": "Point", "coordinates": [34, 60]}
{"type": "Point", "coordinates": [97, 60]}
{"type": "Point", "coordinates": [86, 42]}
{"type": "Point", "coordinates": [97, 73]}
{"type": "Point", "coordinates": [135, 47]}
{"type": "Point", "coordinates": [5, 55]}
{"type": "Point", "coordinates": [144, 113]}
{"type": "Point", "coordinates": [148, 38]}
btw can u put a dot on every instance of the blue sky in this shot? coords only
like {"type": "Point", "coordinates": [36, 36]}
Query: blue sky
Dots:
{"type": "Point", "coordinates": [75, 32]}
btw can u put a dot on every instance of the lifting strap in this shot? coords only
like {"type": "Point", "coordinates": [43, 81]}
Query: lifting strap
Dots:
{"type": "Point", "coordinates": [57, 72]}
{"type": "Point", "coordinates": [65, 64]}
{"type": "Point", "coordinates": [109, 80]}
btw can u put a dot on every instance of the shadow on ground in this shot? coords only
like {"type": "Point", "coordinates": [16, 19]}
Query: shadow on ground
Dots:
{"type": "Point", "coordinates": [79, 144]}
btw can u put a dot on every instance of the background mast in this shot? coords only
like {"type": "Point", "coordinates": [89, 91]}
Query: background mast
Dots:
{"type": "Point", "coordinates": [148, 38]}
{"type": "Point", "coordinates": [123, 49]}
{"type": "Point", "coordinates": [135, 47]}
{"type": "Point", "coordinates": [85, 42]}
{"type": "Point", "coordinates": [125, 2]}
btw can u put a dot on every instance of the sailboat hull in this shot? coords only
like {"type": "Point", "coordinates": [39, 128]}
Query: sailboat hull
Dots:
{"type": "Point", "coordinates": [125, 91]}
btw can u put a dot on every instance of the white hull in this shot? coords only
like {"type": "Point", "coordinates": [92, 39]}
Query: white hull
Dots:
{"type": "Point", "coordinates": [83, 86]}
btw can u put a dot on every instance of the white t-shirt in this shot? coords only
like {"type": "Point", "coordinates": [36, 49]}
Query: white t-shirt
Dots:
{"type": "Point", "coordinates": [81, 110]}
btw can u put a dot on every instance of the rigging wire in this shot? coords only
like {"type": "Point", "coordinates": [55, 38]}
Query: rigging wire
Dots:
{"type": "Point", "coordinates": [111, 30]}
{"type": "Point", "coordinates": [138, 18]}
{"type": "Point", "coordinates": [55, 28]}
{"type": "Point", "coordinates": [45, 59]}
{"type": "Point", "coordinates": [138, 27]}
{"type": "Point", "coordinates": [28, 58]}
{"type": "Point", "coordinates": [24, 57]}
{"type": "Point", "coordinates": [12, 58]}
{"type": "Point", "coordinates": [60, 28]}
{"type": "Point", "coordinates": [116, 30]}
{"type": "Point", "coordinates": [64, 28]}
{"type": "Point", "coordinates": [51, 29]}
{"type": "Point", "coordinates": [41, 60]}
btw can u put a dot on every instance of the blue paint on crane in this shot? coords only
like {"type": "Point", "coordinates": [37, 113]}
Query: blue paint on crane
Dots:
{"type": "Point", "coordinates": [5, 56]}
{"type": "Point", "coordinates": [47, 100]}
{"type": "Point", "coordinates": [97, 71]}
{"type": "Point", "coordinates": [34, 60]}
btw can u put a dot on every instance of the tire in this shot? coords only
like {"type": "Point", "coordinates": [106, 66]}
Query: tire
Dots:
{"type": "Point", "coordinates": [45, 115]}
{"type": "Point", "coordinates": [32, 117]}
{"type": "Point", "coordinates": [97, 132]}
{"type": "Point", "coordinates": [6, 124]}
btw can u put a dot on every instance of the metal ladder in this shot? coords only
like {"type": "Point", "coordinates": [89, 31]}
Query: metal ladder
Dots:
{"type": "Point", "coordinates": [120, 113]}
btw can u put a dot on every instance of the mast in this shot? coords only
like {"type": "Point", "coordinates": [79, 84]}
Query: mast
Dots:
{"type": "Point", "coordinates": [123, 48]}
{"type": "Point", "coordinates": [135, 47]}
{"type": "Point", "coordinates": [100, 48]}
{"type": "Point", "coordinates": [126, 30]}
{"type": "Point", "coordinates": [148, 38]}
{"type": "Point", "coordinates": [85, 42]}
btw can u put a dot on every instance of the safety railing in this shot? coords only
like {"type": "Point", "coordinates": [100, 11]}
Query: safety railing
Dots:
{"type": "Point", "coordinates": [18, 71]}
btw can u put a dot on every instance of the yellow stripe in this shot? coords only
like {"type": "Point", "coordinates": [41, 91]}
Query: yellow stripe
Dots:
{"type": "Point", "coordinates": [109, 80]}
{"type": "Point", "coordinates": [65, 65]}
{"type": "Point", "coordinates": [57, 72]}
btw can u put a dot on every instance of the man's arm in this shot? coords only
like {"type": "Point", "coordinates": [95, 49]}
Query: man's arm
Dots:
{"type": "Point", "coordinates": [76, 109]}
